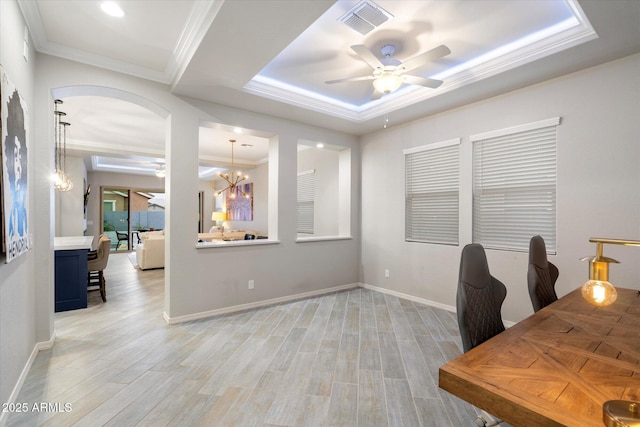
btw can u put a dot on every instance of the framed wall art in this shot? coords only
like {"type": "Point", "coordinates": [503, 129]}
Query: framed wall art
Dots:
{"type": "Point", "coordinates": [15, 169]}
{"type": "Point", "coordinates": [239, 207]}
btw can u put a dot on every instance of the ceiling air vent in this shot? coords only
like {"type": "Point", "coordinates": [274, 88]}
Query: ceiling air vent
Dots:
{"type": "Point", "coordinates": [365, 16]}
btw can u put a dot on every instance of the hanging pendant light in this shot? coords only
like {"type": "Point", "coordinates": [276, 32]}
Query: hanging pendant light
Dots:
{"type": "Point", "coordinates": [61, 180]}
{"type": "Point", "coordinates": [233, 179]}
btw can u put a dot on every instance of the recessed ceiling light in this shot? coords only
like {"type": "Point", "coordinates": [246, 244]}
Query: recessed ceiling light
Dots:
{"type": "Point", "coordinates": [111, 8]}
{"type": "Point", "coordinates": [320, 145]}
{"type": "Point", "coordinates": [237, 130]}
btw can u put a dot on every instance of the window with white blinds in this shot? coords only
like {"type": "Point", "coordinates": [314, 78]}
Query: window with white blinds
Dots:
{"type": "Point", "coordinates": [514, 186]}
{"type": "Point", "coordinates": [432, 193]}
{"type": "Point", "coordinates": [306, 196]}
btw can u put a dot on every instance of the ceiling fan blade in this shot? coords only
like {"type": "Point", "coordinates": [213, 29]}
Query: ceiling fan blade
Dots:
{"type": "Point", "coordinates": [422, 81]}
{"type": "Point", "coordinates": [350, 79]}
{"type": "Point", "coordinates": [423, 58]}
{"type": "Point", "coordinates": [367, 55]}
{"type": "Point", "coordinates": [376, 95]}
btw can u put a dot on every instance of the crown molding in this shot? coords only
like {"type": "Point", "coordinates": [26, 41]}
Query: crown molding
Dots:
{"type": "Point", "coordinates": [202, 15]}
{"type": "Point", "coordinates": [199, 21]}
{"type": "Point", "coordinates": [92, 147]}
{"type": "Point", "coordinates": [33, 20]}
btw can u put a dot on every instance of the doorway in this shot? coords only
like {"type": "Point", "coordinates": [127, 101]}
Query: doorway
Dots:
{"type": "Point", "coordinates": [115, 217]}
{"type": "Point", "coordinates": [147, 210]}
{"type": "Point", "coordinates": [126, 212]}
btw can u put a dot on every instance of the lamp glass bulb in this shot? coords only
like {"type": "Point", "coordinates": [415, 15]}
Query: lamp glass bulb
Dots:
{"type": "Point", "coordinates": [599, 292]}
{"type": "Point", "coordinates": [387, 82]}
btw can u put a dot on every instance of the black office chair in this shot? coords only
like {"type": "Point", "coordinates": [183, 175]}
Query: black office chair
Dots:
{"type": "Point", "coordinates": [478, 303]}
{"type": "Point", "coordinates": [479, 298]}
{"type": "Point", "coordinates": [249, 236]}
{"type": "Point", "coordinates": [541, 275]}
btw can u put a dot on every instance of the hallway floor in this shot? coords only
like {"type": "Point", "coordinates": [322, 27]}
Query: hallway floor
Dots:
{"type": "Point", "coordinates": [351, 358]}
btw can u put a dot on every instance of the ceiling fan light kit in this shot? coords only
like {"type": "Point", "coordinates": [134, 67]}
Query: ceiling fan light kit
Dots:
{"type": "Point", "coordinates": [387, 82]}
{"type": "Point", "coordinates": [389, 73]}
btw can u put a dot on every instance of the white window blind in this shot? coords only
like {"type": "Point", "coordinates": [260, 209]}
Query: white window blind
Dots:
{"type": "Point", "coordinates": [432, 193]}
{"type": "Point", "coordinates": [514, 186]}
{"type": "Point", "coordinates": [306, 195]}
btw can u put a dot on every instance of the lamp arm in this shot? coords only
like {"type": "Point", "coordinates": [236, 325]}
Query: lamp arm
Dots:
{"type": "Point", "coordinates": [624, 242]}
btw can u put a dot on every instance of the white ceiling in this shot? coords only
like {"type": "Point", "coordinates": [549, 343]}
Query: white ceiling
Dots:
{"type": "Point", "coordinates": [273, 57]}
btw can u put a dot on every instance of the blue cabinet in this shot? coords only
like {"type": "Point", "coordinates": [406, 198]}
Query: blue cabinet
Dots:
{"type": "Point", "coordinates": [71, 279]}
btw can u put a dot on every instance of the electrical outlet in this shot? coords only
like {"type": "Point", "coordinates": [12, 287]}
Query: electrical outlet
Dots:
{"type": "Point", "coordinates": [251, 284]}
{"type": "Point", "coordinates": [386, 272]}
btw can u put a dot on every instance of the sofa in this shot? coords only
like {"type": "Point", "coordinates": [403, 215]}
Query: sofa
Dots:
{"type": "Point", "coordinates": [150, 252]}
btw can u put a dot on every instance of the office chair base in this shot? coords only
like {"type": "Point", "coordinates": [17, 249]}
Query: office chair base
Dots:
{"type": "Point", "coordinates": [481, 420]}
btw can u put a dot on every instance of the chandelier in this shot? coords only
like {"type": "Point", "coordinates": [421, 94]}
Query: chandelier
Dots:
{"type": "Point", "coordinates": [232, 179]}
{"type": "Point", "coordinates": [61, 180]}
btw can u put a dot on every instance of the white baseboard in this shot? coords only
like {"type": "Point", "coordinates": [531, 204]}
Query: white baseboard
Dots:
{"type": "Point", "coordinates": [507, 323]}
{"type": "Point", "coordinates": [257, 304]}
{"type": "Point", "coordinates": [43, 345]}
{"type": "Point", "coordinates": [264, 303]}
{"type": "Point", "coordinates": [410, 298]}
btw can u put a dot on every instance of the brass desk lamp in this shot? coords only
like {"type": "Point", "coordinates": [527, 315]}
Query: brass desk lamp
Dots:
{"type": "Point", "coordinates": [597, 290]}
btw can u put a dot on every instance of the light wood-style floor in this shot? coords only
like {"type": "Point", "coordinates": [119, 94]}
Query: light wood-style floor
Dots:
{"type": "Point", "coordinates": [354, 358]}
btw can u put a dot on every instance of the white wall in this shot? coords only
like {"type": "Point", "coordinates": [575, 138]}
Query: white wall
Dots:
{"type": "Point", "coordinates": [326, 165]}
{"type": "Point", "coordinates": [70, 204]}
{"type": "Point", "coordinates": [20, 325]}
{"type": "Point", "coordinates": [598, 153]}
{"type": "Point", "coordinates": [218, 277]}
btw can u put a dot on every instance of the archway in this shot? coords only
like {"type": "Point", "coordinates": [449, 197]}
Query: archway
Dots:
{"type": "Point", "coordinates": [101, 134]}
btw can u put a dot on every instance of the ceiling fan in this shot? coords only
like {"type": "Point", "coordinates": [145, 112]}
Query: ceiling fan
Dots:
{"type": "Point", "coordinates": [389, 73]}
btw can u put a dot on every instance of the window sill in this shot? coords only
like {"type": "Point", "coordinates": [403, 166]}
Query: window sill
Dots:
{"type": "Point", "coordinates": [231, 243]}
{"type": "Point", "coordinates": [322, 238]}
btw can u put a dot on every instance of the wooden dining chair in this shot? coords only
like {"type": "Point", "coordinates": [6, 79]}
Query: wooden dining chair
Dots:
{"type": "Point", "coordinates": [478, 304]}
{"type": "Point", "coordinates": [541, 275]}
{"type": "Point", "coordinates": [96, 263]}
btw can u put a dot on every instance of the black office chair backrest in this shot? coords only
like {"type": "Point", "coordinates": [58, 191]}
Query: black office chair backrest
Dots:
{"type": "Point", "coordinates": [541, 275]}
{"type": "Point", "coordinates": [479, 298]}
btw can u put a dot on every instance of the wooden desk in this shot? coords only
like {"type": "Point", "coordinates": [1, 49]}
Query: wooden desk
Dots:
{"type": "Point", "coordinates": [557, 367]}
